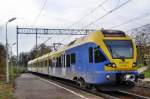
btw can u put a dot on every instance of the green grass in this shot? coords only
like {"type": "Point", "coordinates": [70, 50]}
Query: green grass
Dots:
{"type": "Point", "coordinates": [6, 90]}
{"type": "Point", "coordinates": [140, 65]}
{"type": "Point", "coordinates": [147, 73]}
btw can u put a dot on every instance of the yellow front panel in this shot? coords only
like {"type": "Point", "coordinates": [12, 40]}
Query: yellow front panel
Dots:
{"type": "Point", "coordinates": [120, 64]}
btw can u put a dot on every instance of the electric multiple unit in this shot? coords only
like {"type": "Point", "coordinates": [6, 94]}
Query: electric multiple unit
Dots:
{"type": "Point", "coordinates": [100, 58]}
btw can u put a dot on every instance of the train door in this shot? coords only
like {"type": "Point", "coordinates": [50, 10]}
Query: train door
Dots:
{"type": "Point", "coordinates": [81, 67]}
{"type": "Point", "coordinates": [53, 66]}
{"type": "Point", "coordinates": [69, 72]}
{"type": "Point", "coordinates": [96, 61]}
{"type": "Point", "coordinates": [63, 65]}
{"type": "Point", "coordinates": [73, 63]}
{"type": "Point", "coordinates": [58, 69]}
{"type": "Point", "coordinates": [49, 66]}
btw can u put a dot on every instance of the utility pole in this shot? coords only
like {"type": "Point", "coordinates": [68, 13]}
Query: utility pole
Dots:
{"type": "Point", "coordinates": [7, 65]}
{"type": "Point", "coordinates": [11, 54]}
{"type": "Point", "coordinates": [17, 48]}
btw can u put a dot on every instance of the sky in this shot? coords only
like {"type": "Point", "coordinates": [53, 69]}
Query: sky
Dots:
{"type": "Point", "coordinates": [67, 14]}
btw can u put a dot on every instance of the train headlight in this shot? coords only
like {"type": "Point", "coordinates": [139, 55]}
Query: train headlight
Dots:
{"type": "Point", "coordinates": [129, 77]}
{"type": "Point", "coordinates": [111, 65]}
{"type": "Point", "coordinates": [108, 77]}
{"type": "Point", "coordinates": [134, 64]}
{"type": "Point", "coordinates": [114, 65]}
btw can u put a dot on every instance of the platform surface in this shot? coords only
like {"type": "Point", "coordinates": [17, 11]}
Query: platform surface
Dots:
{"type": "Point", "coordinates": [29, 86]}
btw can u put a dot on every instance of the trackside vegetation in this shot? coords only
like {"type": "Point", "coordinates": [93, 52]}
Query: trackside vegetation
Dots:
{"type": "Point", "coordinates": [147, 72]}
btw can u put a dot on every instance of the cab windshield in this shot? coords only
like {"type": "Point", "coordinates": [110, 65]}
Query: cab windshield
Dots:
{"type": "Point", "coordinates": [120, 48]}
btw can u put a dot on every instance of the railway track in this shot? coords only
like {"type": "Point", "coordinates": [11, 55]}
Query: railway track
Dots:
{"type": "Point", "coordinates": [119, 94]}
{"type": "Point", "coordinates": [125, 95]}
{"type": "Point", "coordinates": [143, 84]}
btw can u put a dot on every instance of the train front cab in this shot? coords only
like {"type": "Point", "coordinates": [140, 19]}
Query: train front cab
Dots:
{"type": "Point", "coordinates": [118, 52]}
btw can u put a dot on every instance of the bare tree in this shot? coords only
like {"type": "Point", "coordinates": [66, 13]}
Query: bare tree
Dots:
{"type": "Point", "coordinates": [142, 38]}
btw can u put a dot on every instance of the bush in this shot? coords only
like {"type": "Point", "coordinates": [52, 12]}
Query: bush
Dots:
{"type": "Point", "coordinates": [2, 62]}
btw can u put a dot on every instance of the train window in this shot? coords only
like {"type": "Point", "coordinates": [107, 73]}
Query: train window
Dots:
{"type": "Point", "coordinates": [98, 55]}
{"type": "Point", "coordinates": [46, 63]}
{"type": "Point", "coordinates": [68, 61]}
{"type": "Point", "coordinates": [90, 55]}
{"type": "Point", "coordinates": [43, 63]}
{"type": "Point", "coordinates": [64, 59]}
{"type": "Point", "coordinates": [50, 62]}
{"type": "Point", "coordinates": [54, 62]}
{"type": "Point", "coordinates": [58, 63]}
{"type": "Point", "coordinates": [73, 58]}
{"type": "Point", "coordinates": [39, 64]}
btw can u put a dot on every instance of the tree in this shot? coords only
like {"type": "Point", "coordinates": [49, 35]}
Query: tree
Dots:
{"type": "Point", "coordinates": [2, 60]}
{"type": "Point", "coordinates": [24, 57]}
{"type": "Point", "coordinates": [141, 36]}
{"type": "Point", "coordinates": [39, 51]}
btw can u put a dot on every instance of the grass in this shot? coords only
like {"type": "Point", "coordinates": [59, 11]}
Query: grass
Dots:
{"type": "Point", "coordinates": [6, 90]}
{"type": "Point", "coordinates": [147, 72]}
{"type": "Point", "coordinates": [140, 65]}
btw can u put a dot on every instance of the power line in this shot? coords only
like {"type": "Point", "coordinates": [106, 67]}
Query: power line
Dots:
{"type": "Point", "coordinates": [47, 40]}
{"type": "Point", "coordinates": [114, 9]}
{"type": "Point", "coordinates": [131, 20]}
{"type": "Point", "coordinates": [42, 8]}
{"type": "Point", "coordinates": [111, 11]}
{"type": "Point", "coordinates": [137, 27]}
{"type": "Point", "coordinates": [92, 11]}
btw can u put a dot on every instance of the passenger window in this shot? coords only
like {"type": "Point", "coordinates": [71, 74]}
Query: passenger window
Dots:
{"type": "Point", "coordinates": [50, 62]}
{"type": "Point", "coordinates": [58, 63]}
{"type": "Point", "coordinates": [73, 58]}
{"type": "Point", "coordinates": [64, 59]}
{"type": "Point", "coordinates": [90, 55]}
{"type": "Point", "coordinates": [98, 55]}
{"type": "Point", "coordinates": [46, 63]}
{"type": "Point", "coordinates": [57, 60]}
{"type": "Point", "coordinates": [68, 60]}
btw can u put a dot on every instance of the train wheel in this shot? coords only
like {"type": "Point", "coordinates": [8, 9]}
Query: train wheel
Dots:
{"type": "Point", "coordinates": [130, 83]}
{"type": "Point", "coordinates": [82, 83]}
{"type": "Point", "coordinates": [89, 86]}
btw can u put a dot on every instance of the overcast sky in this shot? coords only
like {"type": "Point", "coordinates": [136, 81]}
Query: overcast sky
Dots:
{"type": "Point", "coordinates": [65, 14]}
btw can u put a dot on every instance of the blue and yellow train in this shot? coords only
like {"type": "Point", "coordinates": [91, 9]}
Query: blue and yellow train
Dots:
{"type": "Point", "coordinates": [100, 58]}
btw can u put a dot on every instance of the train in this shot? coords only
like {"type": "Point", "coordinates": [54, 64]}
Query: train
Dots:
{"type": "Point", "coordinates": [103, 57]}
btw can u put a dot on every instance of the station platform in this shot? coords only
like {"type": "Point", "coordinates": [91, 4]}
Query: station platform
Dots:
{"type": "Point", "coordinates": [29, 86]}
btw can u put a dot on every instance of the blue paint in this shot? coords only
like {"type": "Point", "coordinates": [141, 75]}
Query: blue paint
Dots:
{"type": "Point", "coordinates": [91, 72]}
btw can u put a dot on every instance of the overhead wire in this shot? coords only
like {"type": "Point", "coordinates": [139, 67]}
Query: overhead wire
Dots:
{"type": "Point", "coordinates": [39, 14]}
{"type": "Point", "coordinates": [136, 28]}
{"type": "Point", "coordinates": [111, 11]}
{"type": "Point", "coordinates": [131, 20]}
{"type": "Point", "coordinates": [90, 12]}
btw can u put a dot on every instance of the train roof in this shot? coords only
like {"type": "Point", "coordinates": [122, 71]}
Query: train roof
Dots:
{"type": "Point", "coordinates": [92, 37]}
